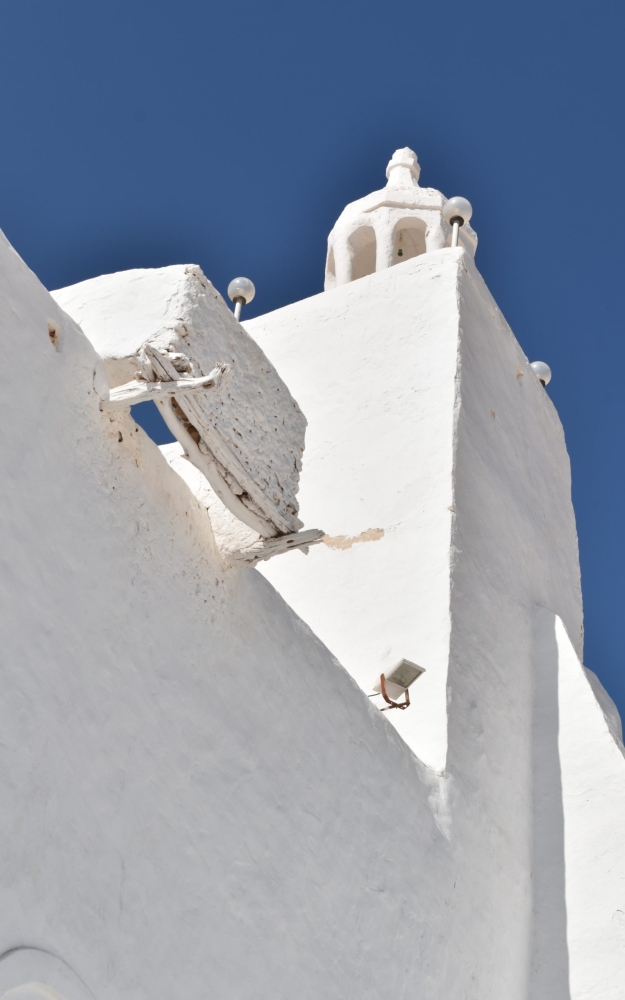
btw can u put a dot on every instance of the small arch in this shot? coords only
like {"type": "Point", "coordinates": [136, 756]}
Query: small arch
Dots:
{"type": "Point", "coordinates": [36, 974]}
{"type": "Point", "coordinates": [363, 247]}
{"type": "Point", "coordinates": [409, 239]}
{"type": "Point", "coordinates": [31, 991]}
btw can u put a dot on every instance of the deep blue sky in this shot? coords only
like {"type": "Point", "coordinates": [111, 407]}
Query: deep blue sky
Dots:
{"type": "Point", "coordinates": [138, 134]}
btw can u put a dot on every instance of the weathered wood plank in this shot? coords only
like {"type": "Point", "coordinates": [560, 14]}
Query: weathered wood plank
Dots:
{"type": "Point", "coordinates": [267, 548]}
{"type": "Point", "coordinates": [139, 391]}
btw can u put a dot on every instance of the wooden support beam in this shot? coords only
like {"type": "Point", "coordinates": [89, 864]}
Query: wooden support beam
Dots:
{"type": "Point", "coordinates": [267, 548]}
{"type": "Point", "coordinates": [138, 391]}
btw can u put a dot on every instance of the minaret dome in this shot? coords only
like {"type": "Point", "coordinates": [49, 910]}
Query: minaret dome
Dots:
{"type": "Point", "coordinates": [390, 226]}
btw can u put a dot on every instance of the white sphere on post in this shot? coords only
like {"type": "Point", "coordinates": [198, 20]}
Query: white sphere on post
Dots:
{"type": "Point", "coordinates": [457, 211]}
{"type": "Point", "coordinates": [240, 291]}
{"type": "Point", "coordinates": [542, 371]}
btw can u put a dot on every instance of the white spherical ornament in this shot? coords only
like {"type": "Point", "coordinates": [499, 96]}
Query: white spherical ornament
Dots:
{"type": "Point", "coordinates": [457, 208]}
{"type": "Point", "coordinates": [241, 288]}
{"type": "Point", "coordinates": [541, 371]}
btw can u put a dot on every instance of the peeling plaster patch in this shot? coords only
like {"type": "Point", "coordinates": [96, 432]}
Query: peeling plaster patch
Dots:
{"type": "Point", "coordinates": [346, 542]}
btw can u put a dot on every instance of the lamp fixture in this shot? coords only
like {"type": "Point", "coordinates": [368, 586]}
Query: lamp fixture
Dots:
{"type": "Point", "coordinates": [542, 372]}
{"type": "Point", "coordinates": [241, 291]}
{"type": "Point", "coordinates": [396, 682]}
{"type": "Point", "coordinates": [457, 211]}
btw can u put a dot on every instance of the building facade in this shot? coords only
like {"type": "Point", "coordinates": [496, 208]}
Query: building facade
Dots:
{"type": "Point", "coordinates": [200, 795]}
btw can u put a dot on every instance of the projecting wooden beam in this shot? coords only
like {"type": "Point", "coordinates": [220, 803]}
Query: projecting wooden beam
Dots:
{"type": "Point", "coordinates": [267, 548]}
{"type": "Point", "coordinates": [138, 391]}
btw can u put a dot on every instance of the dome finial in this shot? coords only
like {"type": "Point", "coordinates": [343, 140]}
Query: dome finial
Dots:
{"type": "Point", "coordinates": [402, 161]}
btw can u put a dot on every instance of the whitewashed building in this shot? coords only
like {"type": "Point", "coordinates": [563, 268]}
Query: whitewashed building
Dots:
{"type": "Point", "coordinates": [200, 796]}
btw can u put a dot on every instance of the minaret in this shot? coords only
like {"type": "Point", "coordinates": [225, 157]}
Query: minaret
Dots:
{"type": "Point", "coordinates": [390, 226]}
{"type": "Point", "coordinates": [427, 430]}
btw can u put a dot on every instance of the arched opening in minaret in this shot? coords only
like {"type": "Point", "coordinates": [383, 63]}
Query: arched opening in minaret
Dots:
{"type": "Point", "coordinates": [362, 243]}
{"type": "Point", "coordinates": [409, 239]}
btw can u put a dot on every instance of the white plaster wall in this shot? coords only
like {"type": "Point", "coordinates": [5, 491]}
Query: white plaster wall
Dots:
{"type": "Point", "coordinates": [373, 366]}
{"type": "Point", "coordinates": [195, 799]}
{"type": "Point", "coordinates": [579, 861]}
{"type": "Point", "coordinates": [514, 546]}
{"type": "Point", "coordinates": [593, 773]}
{"type": "Point", "coordinates": [486, 531]}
